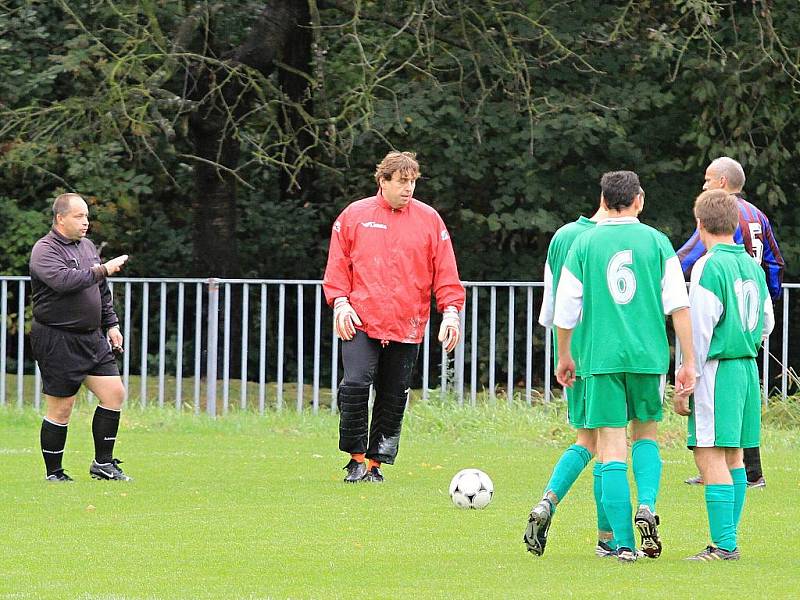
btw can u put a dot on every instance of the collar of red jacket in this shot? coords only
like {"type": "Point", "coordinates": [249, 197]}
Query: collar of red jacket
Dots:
{"type": "Point", "coordinates": [384, 204]}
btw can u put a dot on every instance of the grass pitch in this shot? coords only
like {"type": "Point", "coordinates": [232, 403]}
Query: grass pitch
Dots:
{"type": "Point", "coordinates": [254, 507]}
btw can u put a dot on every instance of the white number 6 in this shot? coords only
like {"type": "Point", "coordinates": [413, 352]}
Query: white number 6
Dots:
{"type": "Point", "coordinates": [621, 280]}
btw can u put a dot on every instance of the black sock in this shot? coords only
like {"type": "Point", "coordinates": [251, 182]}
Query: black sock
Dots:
{"type": "Point", "coordinates": [53, 438]}
{"type": "Point", "coordinates": [104, 429]}
{"type": "Point", "coordinates": [752, 464]}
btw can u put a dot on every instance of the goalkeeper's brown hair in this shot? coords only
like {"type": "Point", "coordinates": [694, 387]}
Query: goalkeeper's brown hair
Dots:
{"type": "Point", "coordinates": [405, 162]}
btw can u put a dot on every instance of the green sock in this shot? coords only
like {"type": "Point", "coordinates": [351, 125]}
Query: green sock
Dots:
{"type": "Point", "coordinates": [617, 502]}
{"type": "Point", "coordinates": [739, 477]}
{"type": "Point", "coordinates": [567, 470]}
{"type": "Point", "coordinates": [719, 504]}
{"type": "Point", "coordinates": [646, 464]}
{"type": "Point", "coordinates": [602, 519]}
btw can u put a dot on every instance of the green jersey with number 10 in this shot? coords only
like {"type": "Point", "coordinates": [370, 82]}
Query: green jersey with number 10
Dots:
{"type": "Point", "coordinates": [619, 280]}
{"type": "Point", "coordinates": [731, 306]}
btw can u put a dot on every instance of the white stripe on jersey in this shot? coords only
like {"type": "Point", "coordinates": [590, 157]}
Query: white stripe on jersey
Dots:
{"type": "Point", "coordinates": [569, 301]}
{"type": "Point", "coordinates": [769, 317]}
{"type": "Point", "coordinates": [704, 426]}
{"type": "Point", "coordinates": [673, 287]}
{"type": "Point", "coordinates": [548, 300]}
{"type": "Point", "coordinates": [706, 312]}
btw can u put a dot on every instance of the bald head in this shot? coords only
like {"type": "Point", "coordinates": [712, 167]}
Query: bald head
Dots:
{"type": "Point", "coordinates": [71, 216]}
{"type": "Point", "coordinates": [62, 204]}
{"type": "Point", "coordinates": [724, 173]}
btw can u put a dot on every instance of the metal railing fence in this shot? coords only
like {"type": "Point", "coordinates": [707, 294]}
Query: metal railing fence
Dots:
{"type": "Point", "coordinates": [223, 344]}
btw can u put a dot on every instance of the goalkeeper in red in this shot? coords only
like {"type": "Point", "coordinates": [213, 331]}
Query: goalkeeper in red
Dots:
{"type": "Point", "coordinates": [731, 315]}
{"type": "Point", "coordinates": [387, 254]}
{"type": "Point", "coordinates": [619, 281]}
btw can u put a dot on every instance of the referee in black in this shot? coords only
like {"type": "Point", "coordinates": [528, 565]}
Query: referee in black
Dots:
{"type": "Point", "coordinates": [74, 335]}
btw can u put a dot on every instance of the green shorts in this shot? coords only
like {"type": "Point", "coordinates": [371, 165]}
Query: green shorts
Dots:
{"type": "Point", "coordinates": [614, 399]}
{"type": "Point", "coordinates": [726, 406]}
{"type": "Point", "coordinates": [576, 403]}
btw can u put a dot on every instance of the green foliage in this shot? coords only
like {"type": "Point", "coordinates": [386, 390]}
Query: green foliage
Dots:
{"type": "Point", "coordinates": [20, 231]}
{"type": "Point", "coordinates": [515, 110]}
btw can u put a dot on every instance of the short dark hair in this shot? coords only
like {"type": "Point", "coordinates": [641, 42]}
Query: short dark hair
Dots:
{"type": "Point", "coordinates": [717, 211]}
{"type": "Point", "coordinates": [61, 204]}
{"type": "Point", "coordinates": [619, 189]}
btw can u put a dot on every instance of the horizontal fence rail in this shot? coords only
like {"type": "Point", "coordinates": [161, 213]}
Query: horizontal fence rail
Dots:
{"type": "Point", "coordinates": [216, 345]}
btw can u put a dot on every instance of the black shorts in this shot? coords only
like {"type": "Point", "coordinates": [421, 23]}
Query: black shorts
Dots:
{"type": "Point", "coordinates": [65, 358]}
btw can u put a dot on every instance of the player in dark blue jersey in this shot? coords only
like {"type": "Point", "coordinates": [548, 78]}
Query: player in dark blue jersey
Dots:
{"type": "Point", "coordinates": [755, 233]}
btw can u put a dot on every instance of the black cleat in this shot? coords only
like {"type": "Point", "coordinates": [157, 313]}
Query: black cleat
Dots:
{"type": "Point", "coordinates": [714, 553]}
{"type": "Point", "coordinates": [759, 483]}
{"type": "Point", "coordinates": [604, 549]}
{"type": "Point", "coordinates": [109, 471]}
{"type": "Point", "coordinates": [647, 524]}
{"type": "Point", "coordinates": [355, 471]}
{"type": "Point", "coordinates": [58, 477]}
{"type": "Point", "coordinates": [539, 520]}
{"type": "Point", "coordinates": [374, 475]}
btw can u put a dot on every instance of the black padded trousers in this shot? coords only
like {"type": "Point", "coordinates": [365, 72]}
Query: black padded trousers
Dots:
{"type": "Point", "coordinates": [388, 368]}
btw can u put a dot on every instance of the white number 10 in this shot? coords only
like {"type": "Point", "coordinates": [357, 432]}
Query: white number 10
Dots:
{"type": "Point", "coordinates": [747, 296]}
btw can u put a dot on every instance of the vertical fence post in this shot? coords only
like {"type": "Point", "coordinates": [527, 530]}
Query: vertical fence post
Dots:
{"type": "Point", "coordinates": [179, 348]}
{"type": "Point", "coordinates": [198, 343]}
{"type": "Point", "coordinates": [785, 345]}
{"type": "Point", "coordinates": [262, 355]}
{"type": "Point", "coordinates": [473, 365]}
{"type": "Point", "coordinates": [245, 332]}
{"type": "Point", "coordinates": [37, 386]}
{"type": "Point", "coordinates": [162, 344]}
{"type": "Point", "coordinates": [510, 365]}
{"type": "Point", "coordinates": [459, 358]}
{"type": "Point", "coordinates": [281, 329]}
{"type": "Point", "coordinates": [529, 346]}
{"type": "Point", "coordinates": [226, 350]}
{"type": "Point", "coordinates": [143, 358]}
{"type": "Point", "coordinates": [213, 338]}
{"type": "Point", "coordinates": [765, 371]}
{"type": "Point", "coordinates": [492, 339]}
{"type": "Point", "coordinates": [317, 327]}
{"type": "Point", "coordinates": [3, 322]}
{"type": "Point", "coordinates": [426, 356]}
{"type": "Point", "coordinates": [126, 356]}
{"type": "Point", "coordinates": [300, 347]}
{"type": "Point", "coordinates": [443, 372]}
{"type": "Point", "coordinates": [334, 371]}
{"type": "Point", "coordinates": [20, 342]}
{"type": "Point", "coordinates": [548, 363]}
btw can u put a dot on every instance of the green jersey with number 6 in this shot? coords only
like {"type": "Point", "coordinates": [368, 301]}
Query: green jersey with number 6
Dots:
{"type": "Point", "coordinates": [620, 280]}
{"type": "Point", "coordinates": [731, 306]}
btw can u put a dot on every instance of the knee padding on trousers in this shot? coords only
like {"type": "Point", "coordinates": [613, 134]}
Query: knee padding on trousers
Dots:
{"type": "Point", "coordinates": [387, 421]}
{"type": "Point", "coordinates": [353, 418]}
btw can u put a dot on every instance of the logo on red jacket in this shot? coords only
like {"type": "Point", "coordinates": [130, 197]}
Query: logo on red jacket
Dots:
{"type": "Point", "coordinates": [374, 225]}
{"type": "Point", "coordinates": [444, 235]}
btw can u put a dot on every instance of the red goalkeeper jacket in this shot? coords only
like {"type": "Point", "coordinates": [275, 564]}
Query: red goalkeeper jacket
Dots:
{"type": "Point", "coordinates": [387, 261]}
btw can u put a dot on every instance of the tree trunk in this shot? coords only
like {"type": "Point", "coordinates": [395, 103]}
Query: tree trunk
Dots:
{"type": "Point", "coordinates": [213, 127]}
{"type": "Point", "coordinates": [297, 54]}
{"type": "Point", "coordinates": [214, 201]}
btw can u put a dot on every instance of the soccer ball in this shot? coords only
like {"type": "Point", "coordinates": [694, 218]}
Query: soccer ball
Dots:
{"type": "Point", "coordinates": [471, 488]}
